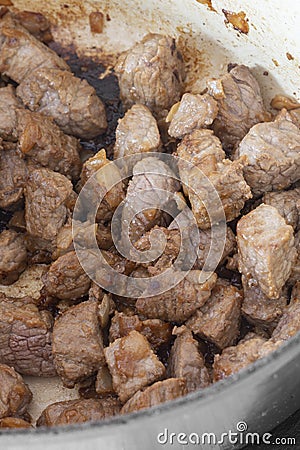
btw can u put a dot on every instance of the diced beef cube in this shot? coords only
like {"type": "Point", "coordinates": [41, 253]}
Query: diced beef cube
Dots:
{"type": "Point", "coordinates": [14, 422]}
{"type": "Point", "coordinates": [66, 278]}
{"type": "Point", "coordinates": [288, 205]}
{"type": "Point", "coordinates": [289, 324]}
{"type": "Point", "coordinates": [15, 395]}
{"type": "Point", "coordinates": [235, 358]}
{"type": "Point", "coordinates": [103, 383]}
{"type": "Point", "coordinates": [47, 196]}
{"type": "Point", "coordinates": [25, 337]}
{"type": "Point", "coordinates": [70, 101]}
{"type": "Point", "coordinates": [273, 153]}
{"type": "Point", "coordinates": [266, 249]}
{"type": "Point", "coordinates": [78, 411]}
{"type": "Point", "coordinates": [21, 53]}
{"type": "Point", "coordinates": [78, 343]}
{"type": "Point", "coordinates": [218, 321]}
{"type": "Point", "coordinates": [160, 392]}
{"type": "Point", "coordinates": [186, 361]}
{"type": "Point", "coordinates": [13, 256]}
{"type": "Point", "coordinates": [150, 191]}
{"type": "Point", "coordinates": [132, 364]}
{"type": "Point", "coordinates": [156, 331]}
{"type": "Point", "coordinates": [36, 23]}
{"type": "Point", "coordinates": [151, 73]}
{"type": "Point", "coordinates": [203, 150]}
{"type": "Point", "coordinates": [137, 132]}
{"type": "Point", "coordinates": [240, 105]}
{"type": "Point", "coordinates": [8, 106]}
{"type": "Point", "coordinates": [44, 144]}
{"type": "Point", "coordinates": [192, 113]}
{"type": "Point", "coordinates": [260, 310]}
{"type": "Point", "coordinates": [180, 302]}
{"type": "Point", "coordinates": [295, 273]}
{"type": "Point", "coordinates": [104, 184]}
{"type": "Point", "coordinates": [13, 176]}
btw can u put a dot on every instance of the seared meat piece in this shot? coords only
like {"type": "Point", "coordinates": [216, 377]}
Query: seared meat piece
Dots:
{"type": "Point", "coordinates": [260, 310]}
{"type": "Point", "coordinates": [187, 362]}
{"type": "Point", "coordinates": [13, 256]}
{"type": "Point", "coordinates": [295, 273]}
{"type": "Point", "coordinates": [103, 383]}
{"type": "Point", "coordinates": [13, 422]}
{"type": "Point", "coordinates": [151, 73]}
{"type": "Point", "coordinates": [8, 106]}
{"type": "Point", "coordinates": [203, 150]}
{"type": "Point", "coordinates": [13, 176]}
{"type": "Point", "coordinates": [235, 358]}
{"type": "Point", "coordinates": [193, 112]}
{"type": "Point", "coordinates": [66, 279]}
{"type": "Point", "coordinates": [137, 132]}
{"type": "Point", "coordinates": [70, 101]}
{"type": "Point", "coordinates": [289, 324]}
{"type": "Point", "coordinates": [218, 321]}
{"type": "Point", "coordinates": [102, 182]}
{"type": "Point", "coordinates": [150, 191]}
{"type": "Point", "coordinates": [36, 23]}
{"type": "Point", "coordinates": [156, 331]}
{"type": "Point", "coordinates": [240, 105]}
{"type": "Point", "coordinates": [15, 395]}
{"type": "Point", "coordinates": [25, 337]}
{"type": "Point", "coordinates": [266, 250]}
{"type": "Point", "coordinates": [78, 343]}
{"type": "Point", "coordinates": [21, 53]}
{"type": "Point", "coordinates": [44, 144]}
{"type": "Point", "coordinates": [273, 153]}
{"type": "Point", "coordinates": [78, 411]}
{"type": "Point", "coordinates": [288, 205]}
{"type": "Point", "coordinates": [160, 392]}
{"type": "Point", "coordinates": [132, 364]}
{"type": "Point", "coordinates": [47, 197]}
{"type": "Point", "coordinates": [180, 302]}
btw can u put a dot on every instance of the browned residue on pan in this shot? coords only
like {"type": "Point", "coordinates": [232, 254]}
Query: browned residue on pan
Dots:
{"type": "Point", "coordinates": [276, 63]}
{"type": "Point", "coordinates": [208, 4]}
{"type": "Point", "coordinates": [238, 20]}
{"type": "Point", "coordinates": [281, 101]}
{"type": "Point", "coordinates": [289, 56]}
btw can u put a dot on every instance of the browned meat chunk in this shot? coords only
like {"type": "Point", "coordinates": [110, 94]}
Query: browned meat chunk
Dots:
{"type": "Point", "coordinates": [266, 249]}
{"type": "Point", "coordinates": [186, 361]}
{"type": "Point", "coordinates": [180, 302]}
{"type": "Point", "coordinates": [132, 364]}
{"type": "Point", "coordinates": [13, 175]}
{"type": "Point", "coordinates": [13, 256]}
{"type": "Point", "coordinates": [288, 205]}
{"type": "Point", "coordinates": [273, 153]}
{"type": "Point", "coordinates": [218, 321]}
{"type": "Point", "coordinates": [156, 331]}
{"type": "Point", "coordinates": [70, 101]}
{"type": "Point", "coordinates": [137, 132]}
{"type": "Point", "coordinates": [25, 337]}
{"type": "Point", "coordinates": [260, 310]}
{"type": "Point", "coordinates": [240, 105]}
{"type": "Point", "coordinates": [289, 324]}
{"type": "Point", "coordinates": [15, 395]}
{"type": "Point", "coordinates": [77, 343]}
{"type": "Point", "coordinates": [151, 73]}
{"type": "Point", "coordinates": [103, 383]}
{"type": "Point", "coordinates": [21, 53]}
{"type": "Point", "coordinates": [103, 184]}
{"type": "Point", "coordinates": [153, 184]}
{"type": "Point", "coordinates": [78, 411]}
{"type": "Point", "coordinates": [8, 106]}
{"type": "Point", "coordinates": [13, 422]}
{"type": "Point", "coordinates": [203, 150]}
{"type": "Point", "coordinates": [295, 273]}
{"type": "Point", "coordinates": [44, 144]}
{"type": "Point", "coordinates": [193, 112]}
{"type": "Point", "coordinates": [36, 23]}
{"type": "Point", "coordinates": [66, 279]}
{"type": "Point", "coordinates": [235, 358]}
{"type": "Point", "coordinates": [47, 197]}
{"type": "Point", "coordinates": [160, 392]}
